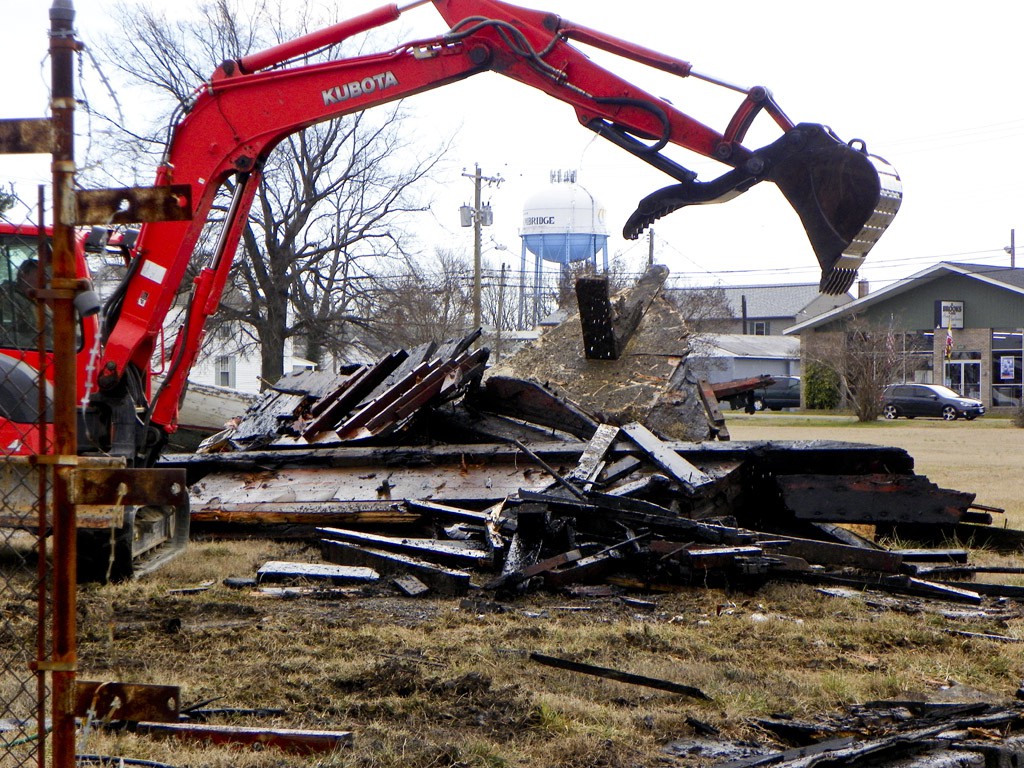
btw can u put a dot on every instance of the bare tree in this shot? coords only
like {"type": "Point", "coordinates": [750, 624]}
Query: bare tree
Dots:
{"type": "Point", "coordinates": [865, 357]}
{"type": "Point", "coordinates": [329, 205]}
{"type": "Point", "coordinates": [426, 302]}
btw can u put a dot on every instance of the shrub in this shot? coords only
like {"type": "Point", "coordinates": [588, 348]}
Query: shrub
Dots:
{"type": "Point", "coordinates": [821, 387]}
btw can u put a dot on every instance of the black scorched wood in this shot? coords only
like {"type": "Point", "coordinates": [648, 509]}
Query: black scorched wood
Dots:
{"type": "Point", "coordinates": [872, 499]}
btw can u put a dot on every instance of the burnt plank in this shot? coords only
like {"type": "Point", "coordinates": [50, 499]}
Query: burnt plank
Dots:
{"type": "Point", "coordinates": [841, 535]}
{"type": "Point", "coordinates": [381, 403]}
{"type": "Point", "coordinates": [619, 468]}
{"type": "Point", "coordinates": [383, 512]}
{"type": "Point", "coordinates": [448, 512]}
{"type": "Point", "coordinates": [410, 586]}
{"type": "Point", "coordinates": [597, 319]}
{"type": "Point", "coordinates": [511, 578]}
{"type": "Point", "coordinates": [620, 676]}
{"type": "Point", "coordinates": [592, 461]}
{"type": "Point", "coordinates": [702, 556]}
{"type": "Point", "coordinates": [278, 571]}
{"type": "Point", "coordinates": [716, 421]}
{"type": "Point", "coordinates": [872, 499]}
{"type": "Point", "coordinates": [726, 389]}
{"type": "Point", "coordinates": [531, 402]}
{"type": "Point", "coordinates": [434, 550]}
{"type": "Point", "coordinates": [933, 555]}
{"type": "Point", "coordinates": [831, 553]}
{"type": "Point", "coordinates": [329, 410]}
{"type": "Point", "coordinates": [446, 581]}
{"type": "Point", "coordinates": [690, 477]}
{"type": "Point", "coordinates": [607, 327]}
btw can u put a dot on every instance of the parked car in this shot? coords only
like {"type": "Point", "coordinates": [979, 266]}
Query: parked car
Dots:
{"type": "Point", "coordinates": [912, 400]}
{"type": "Point", "coordinates": [783, 393]}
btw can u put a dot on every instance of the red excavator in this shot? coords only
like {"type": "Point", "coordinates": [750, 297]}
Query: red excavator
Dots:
{"type": "Point", "coordinates": [844, 196]}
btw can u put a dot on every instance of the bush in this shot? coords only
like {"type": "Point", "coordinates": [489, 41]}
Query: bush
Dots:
{"type": "Point", "coordinates": [821, 387]}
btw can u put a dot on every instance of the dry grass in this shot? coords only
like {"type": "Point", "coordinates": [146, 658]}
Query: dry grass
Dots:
{"type": "Point", "coordinates": [428, 683]}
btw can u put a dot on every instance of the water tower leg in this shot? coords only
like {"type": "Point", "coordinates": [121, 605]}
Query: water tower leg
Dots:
{"type": "Point", "coordinates": [521, 320]}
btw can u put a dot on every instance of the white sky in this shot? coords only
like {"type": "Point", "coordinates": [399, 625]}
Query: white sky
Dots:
{"type": "Point", "coordinates": [937, 89]}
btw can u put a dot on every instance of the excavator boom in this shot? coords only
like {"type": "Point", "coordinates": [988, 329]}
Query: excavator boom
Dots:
{"type": "Point", "coordinates": [845, 197]}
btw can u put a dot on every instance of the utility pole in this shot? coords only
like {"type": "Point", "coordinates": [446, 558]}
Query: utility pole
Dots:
{"type": "Point", "coordinates": [478, 216]}
{"type": "Point", "coordinates": [1012, 250]}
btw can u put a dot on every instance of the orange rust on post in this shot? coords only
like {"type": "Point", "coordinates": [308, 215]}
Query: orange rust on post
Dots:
{"type": "Point", "coordinates": [26, 136]}
{"type": "Point", "coordinates": [132, 702]}
{"type": "Point", "coordinates": [132, 205]}
{"type": "Point", "coordinates": [142, 486]}
{"type": "Point", "coordinates": [65, 416]}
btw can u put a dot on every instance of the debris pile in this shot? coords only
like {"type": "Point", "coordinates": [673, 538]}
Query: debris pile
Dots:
{"type": "Point", "coordinates": [418, 469]}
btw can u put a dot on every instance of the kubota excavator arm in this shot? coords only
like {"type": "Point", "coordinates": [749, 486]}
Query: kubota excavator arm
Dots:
{"type": "Point", "coordinates": [844, 196]}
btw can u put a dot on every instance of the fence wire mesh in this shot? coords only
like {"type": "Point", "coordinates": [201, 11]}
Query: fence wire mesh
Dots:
{"type": "Point", "coordinates": [25, 492]}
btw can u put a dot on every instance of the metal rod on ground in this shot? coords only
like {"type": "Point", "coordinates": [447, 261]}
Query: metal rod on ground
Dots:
{"type": "Point", "coordinates": [551, 471]}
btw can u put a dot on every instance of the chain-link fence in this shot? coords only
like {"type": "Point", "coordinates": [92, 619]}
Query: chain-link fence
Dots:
{"type": "Point", "coordinates": [25, 402]}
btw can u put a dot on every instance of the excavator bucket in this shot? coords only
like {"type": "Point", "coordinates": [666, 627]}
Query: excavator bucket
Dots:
{"type": "Point", "coordinates": [845, 198]}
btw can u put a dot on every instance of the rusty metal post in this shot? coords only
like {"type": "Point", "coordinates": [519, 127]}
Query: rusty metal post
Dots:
{"type": "Point", "coordinates": [64, 655]}
{"type": "Point", "coordinates": [43, 488]}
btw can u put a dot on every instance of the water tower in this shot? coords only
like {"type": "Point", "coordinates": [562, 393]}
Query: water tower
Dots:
{"type": "Point", "coordinates": [562, 224]}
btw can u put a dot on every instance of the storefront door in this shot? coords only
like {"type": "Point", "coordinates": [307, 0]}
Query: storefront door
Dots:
{"type": "Point", "coordinates": [964, 377]}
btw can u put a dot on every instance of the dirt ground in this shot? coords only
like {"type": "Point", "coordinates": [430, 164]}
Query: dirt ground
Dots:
{"type": "Point", "coordinates": [450, 683]}
{"type": "Point", "coordinates": [985, 456]}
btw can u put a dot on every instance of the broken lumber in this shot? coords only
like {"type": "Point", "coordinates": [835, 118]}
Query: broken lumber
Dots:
{"type": "Point", "coordinates": [608, 327]}
{"type": "Point", "coordinates": [447, 581]}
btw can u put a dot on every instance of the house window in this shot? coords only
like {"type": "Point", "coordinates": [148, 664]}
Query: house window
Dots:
{"type": "Point", "coordinates": [224, 371]}
{"type": "Point", "coordinates": [759, 327]}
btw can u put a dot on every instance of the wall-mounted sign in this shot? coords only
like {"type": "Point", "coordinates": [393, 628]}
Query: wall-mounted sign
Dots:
{"type": "Point", "coordinates": [1006, 367]}
{"type": "Point", "coordinates": [949, 314]}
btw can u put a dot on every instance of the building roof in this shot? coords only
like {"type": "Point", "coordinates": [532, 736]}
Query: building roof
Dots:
{"type": "Point", "coordinates": [747, 345]}
{"type": "Point", "coordinates": [785, 300]}
{"type": "Point", "coordinates": [1007, 278]}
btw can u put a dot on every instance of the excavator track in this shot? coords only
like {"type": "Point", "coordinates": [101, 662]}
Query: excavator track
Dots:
{"type": "Point", "coordinates": [149, 538]}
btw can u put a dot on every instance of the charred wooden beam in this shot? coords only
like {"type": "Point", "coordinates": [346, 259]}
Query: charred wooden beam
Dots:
{"type": "Point", "coordinates": [830, 553]}
{"type": "Point", "coordinates": [608, 514]}
{"type": "Point", "coordinates": [608, 327]}
{"type": "Point", "coordinates": [531, 402]}
{"type": "Point", "coordinates": [716, 421]}
{"type": "Point", "coordinates": [328, 411]}
{"type": "Point", "coordinates": [446, 581]}
{"type": "Point", "coordinates": [336, 513]}
{"type": "Point", "coordinates": [726, 389]}
{"type": "Point", "coordinates": [873, 499]}
{"type": "Point", "coordinates": [701, 556]}
{"type": "Point", "coordinates": [277, 571]}
{"type": "Point", "coordinates": [459, 553]}
{"type": "Point", "coordinates": [690, 477]}
{"type": "Point", "coordinates": [593, 459]}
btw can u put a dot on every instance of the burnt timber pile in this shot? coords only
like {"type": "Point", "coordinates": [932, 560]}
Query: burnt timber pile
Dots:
{"type": "Point", "coordinates": [421, 472]}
